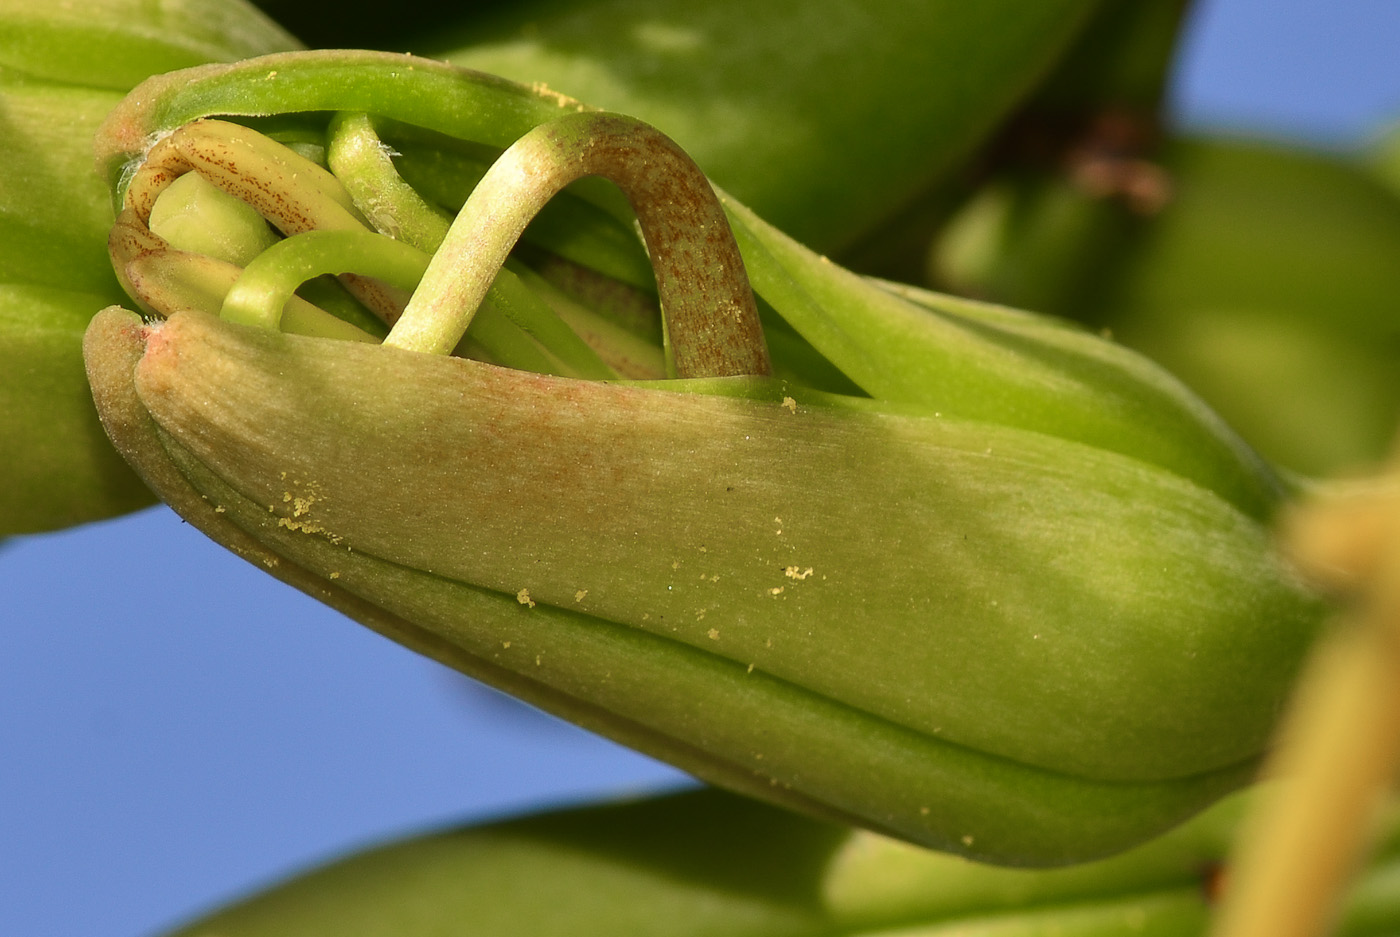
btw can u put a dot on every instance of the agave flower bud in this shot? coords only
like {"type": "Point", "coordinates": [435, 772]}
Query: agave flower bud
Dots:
{"type": "Point", "coordinates": [114, 44]}
{"type": "Point", "coordinates": [1382, 157]}
{"type": "Point", "coordinates": [997, 603]}
{"type": "Point", "coordinates": [1267, 274]}
{"type": "Point", "coordinates": [58, 468]}
{"type": "Point", "coordinates": [687, 864]}
{"type": "Point", "coordinates": [825, 117]}
{"type": "Point", "coordinates": [63, 67]}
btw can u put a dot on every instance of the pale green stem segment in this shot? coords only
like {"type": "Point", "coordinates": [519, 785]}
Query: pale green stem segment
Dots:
{"type": "Point", "coordinates": [193, 214]}
{"type": "Point", "coordinates": [515, 329]}
{"type": "Point", "coordinates": [1339, 746]}
{"type": "Point", "coordinates": [708, 308]}
{"type": "Point", "coordinates": [290, 191]}
{"type": "Point", "coordinates": [520, 307]}
{"type": "Point", "coordinates": [270, 279]}
{"type": "Point", "coordinates": [361, 161]}
{"type": "Point", "coordinates": [166, 281]}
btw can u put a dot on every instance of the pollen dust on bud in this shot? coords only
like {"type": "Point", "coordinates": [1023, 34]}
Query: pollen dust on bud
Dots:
{"type": "Point", "coordinates": [302, 496]}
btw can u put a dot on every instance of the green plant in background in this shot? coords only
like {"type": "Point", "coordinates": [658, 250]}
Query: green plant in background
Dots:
{"type": "Point", "coordinates": [1257, 273]}
{"type": "Point", "coordinates": [1383, 158]}
{"type": "Point", "coordinates": [769, 98]}
{"type": "Point", "coordinates": [1258, 284]}
{"type": "Point", "coordinates": [709, 863]}
{"type": "Point", "coordinates": [952, 572]}
{"type": "Point", "coordinates": [62, 69]}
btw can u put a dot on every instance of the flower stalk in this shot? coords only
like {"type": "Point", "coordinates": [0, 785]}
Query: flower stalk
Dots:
{"type": "Point", "coordinates": [63, 68]}
{"type": "Point", "coordinates": [1340, 743]}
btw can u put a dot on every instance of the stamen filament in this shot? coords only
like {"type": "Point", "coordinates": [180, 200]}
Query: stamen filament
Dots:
{"type": "Point", "coordinates": [270, 279]}
{"type": "Point", "coordinates": [361, 161]}
{"type": "Point", "coordinates": [289, 190]}
{"type": "Point", "coordinates": [707, 305]}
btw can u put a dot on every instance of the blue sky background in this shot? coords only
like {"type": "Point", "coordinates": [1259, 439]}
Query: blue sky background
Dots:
{"type": "Point", "coordinates": [177, 728]}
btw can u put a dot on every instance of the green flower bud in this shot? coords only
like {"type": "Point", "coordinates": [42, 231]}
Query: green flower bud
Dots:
{"type": "Point", "coordinates": [994, 601]}
{"type": "Point", "coordinates": [825, 117]}
{"type": "Point", "coordinates": [1268, 284]}
{"type": "Point", "coordinates": [1268, 272]}
{"type": "Point", "coordinates": [720, 89]}
{"type": "Point", "coordinates": [114, 44]}
{"type": "Point", "coordinates": [787, 106]}
{"type": "Point", "coordinates": [63, 67]}
{"type": "Point", "coordinates": [688, 865]}
{"type": "Point", "coordinates": [58, 468]}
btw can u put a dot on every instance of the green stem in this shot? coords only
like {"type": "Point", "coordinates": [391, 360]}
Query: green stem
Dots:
{"type": "Point", "coordinates": [165, 281]}
{"type": "Point", "coordinates": [360, 160]}
{"type": "Point", "coordinates": [517, 329]}
{"type": "Point", "coordinates": [290, 191]}
{"type": "Point", "coordinates": [524, 308]}
{"type": "Point", "coordinates": [707, 305]}
{"type": "Point", "coordinates": [1339, 744]}
{"type": "Point", "coordinates": [423, 92]}
{"type": "Point", "coordinates": [270, 279]}
{"type": "Point", "coordinates": [625, 353]}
